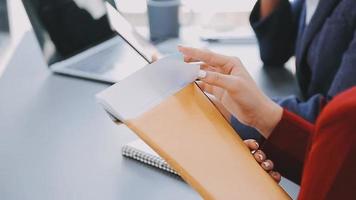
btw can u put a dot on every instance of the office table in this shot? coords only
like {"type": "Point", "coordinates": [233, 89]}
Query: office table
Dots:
{"type": "Point", "coordinates": [56, 142]}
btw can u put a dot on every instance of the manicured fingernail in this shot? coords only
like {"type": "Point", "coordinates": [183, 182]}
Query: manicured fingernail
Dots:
{"type": "Point", "coordinates": [266, 164]}
{"type": "Point", "coordinates": [260, 156]}
{"type": "Point", "coordinates": [202, 74]}
{"type": "Point", "coordinates": [257, 145]}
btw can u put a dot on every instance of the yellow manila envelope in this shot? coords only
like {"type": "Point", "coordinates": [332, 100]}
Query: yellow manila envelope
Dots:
{"type": "Point", "coordinates": [177, 120]}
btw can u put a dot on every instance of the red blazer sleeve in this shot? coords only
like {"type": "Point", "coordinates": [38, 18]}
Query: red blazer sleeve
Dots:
{"type": "Point", "coordinates": [329, 169]}
{"type": "Point", "coordinates": [321, 157]}
{"type": "Point", "coordinates": [287, 145]}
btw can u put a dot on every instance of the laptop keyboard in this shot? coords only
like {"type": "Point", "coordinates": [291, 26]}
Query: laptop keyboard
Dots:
{"type": "Point", "coordinates": [99, 63]}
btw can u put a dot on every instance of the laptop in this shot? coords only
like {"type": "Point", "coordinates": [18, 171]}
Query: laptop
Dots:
{"type": "Point", "coordinates": [76, 39]}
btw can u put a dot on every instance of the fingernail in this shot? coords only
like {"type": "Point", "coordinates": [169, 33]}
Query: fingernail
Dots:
{"type": "Point", "coordinates": [202, 74]}
{"type": "Point", "coordinates": [260, 156]}
{"type": "Point", "coordinates": [257, 145]}
{"type": "Point", "coordinates": [266, 164]}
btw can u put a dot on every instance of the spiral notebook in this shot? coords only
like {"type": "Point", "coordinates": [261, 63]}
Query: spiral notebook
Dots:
{"type": "Point", "coordinates": [140, 151]}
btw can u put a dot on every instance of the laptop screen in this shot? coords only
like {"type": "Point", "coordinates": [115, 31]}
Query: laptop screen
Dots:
{"type": "Point", "coordinates": [128, 33]}
{"type": "Point", "coordinates": [67, 27]}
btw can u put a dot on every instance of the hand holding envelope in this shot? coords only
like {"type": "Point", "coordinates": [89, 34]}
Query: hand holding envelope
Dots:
{"type": "Point", "coordinates": [234, 90]}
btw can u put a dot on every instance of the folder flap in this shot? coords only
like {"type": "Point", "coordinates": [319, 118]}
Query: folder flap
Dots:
{"type": "Point", "coordinates": [147, 87]}
{"type": "Point", "coordinates": [194, 138]}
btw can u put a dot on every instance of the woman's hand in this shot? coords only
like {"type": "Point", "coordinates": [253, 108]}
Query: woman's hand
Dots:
{"type": "Point", "coordinates": [261, 158]}
{"type": "Point", "coordinates": [233, 89]}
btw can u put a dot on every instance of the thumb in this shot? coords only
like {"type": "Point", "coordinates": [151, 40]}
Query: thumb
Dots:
{"type": "Point", "coordinates": [224, 81]}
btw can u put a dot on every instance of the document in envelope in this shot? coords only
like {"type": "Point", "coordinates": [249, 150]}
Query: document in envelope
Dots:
{"type": "Point", "coordinates": [164, 107]}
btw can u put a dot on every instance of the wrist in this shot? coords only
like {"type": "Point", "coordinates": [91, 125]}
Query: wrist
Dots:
{"type": "Point", "coordinates": [269, 116]}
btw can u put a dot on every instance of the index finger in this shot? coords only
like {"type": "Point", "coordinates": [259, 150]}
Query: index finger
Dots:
{"type": "Point", "coordinates": [210, 58]}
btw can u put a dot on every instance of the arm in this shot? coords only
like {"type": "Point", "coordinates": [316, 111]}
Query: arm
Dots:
{"type": "Point", "coordinates": [219, 77]}
{"type": "Point", "coordinates": [288, 135]}
{"type": "Point", "coordinates": [344, 79]}
{"type": "Point", "coordinates": [287, 145]}
{"type": "Point", "coordinates": [294, 137]}
{"type": "Point", "coordinates": [308, 110]}
{"type": "Point", "coordinates": [346, 74]}
{"type": "Point", "coordinates": [276, 30]}
{"type": "Point", "coordinates": [329, 171]}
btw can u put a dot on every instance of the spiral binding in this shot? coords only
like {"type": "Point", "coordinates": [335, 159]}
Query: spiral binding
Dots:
{"type": "Point", "coordinates": [149, 159]}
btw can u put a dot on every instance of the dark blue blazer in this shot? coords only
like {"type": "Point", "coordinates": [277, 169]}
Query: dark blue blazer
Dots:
{"type": "Point", "coordinates": [325, 52]}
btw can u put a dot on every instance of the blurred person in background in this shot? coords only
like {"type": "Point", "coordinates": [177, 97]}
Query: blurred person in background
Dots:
{"type": "Point", "coordinates": [321, 34]}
